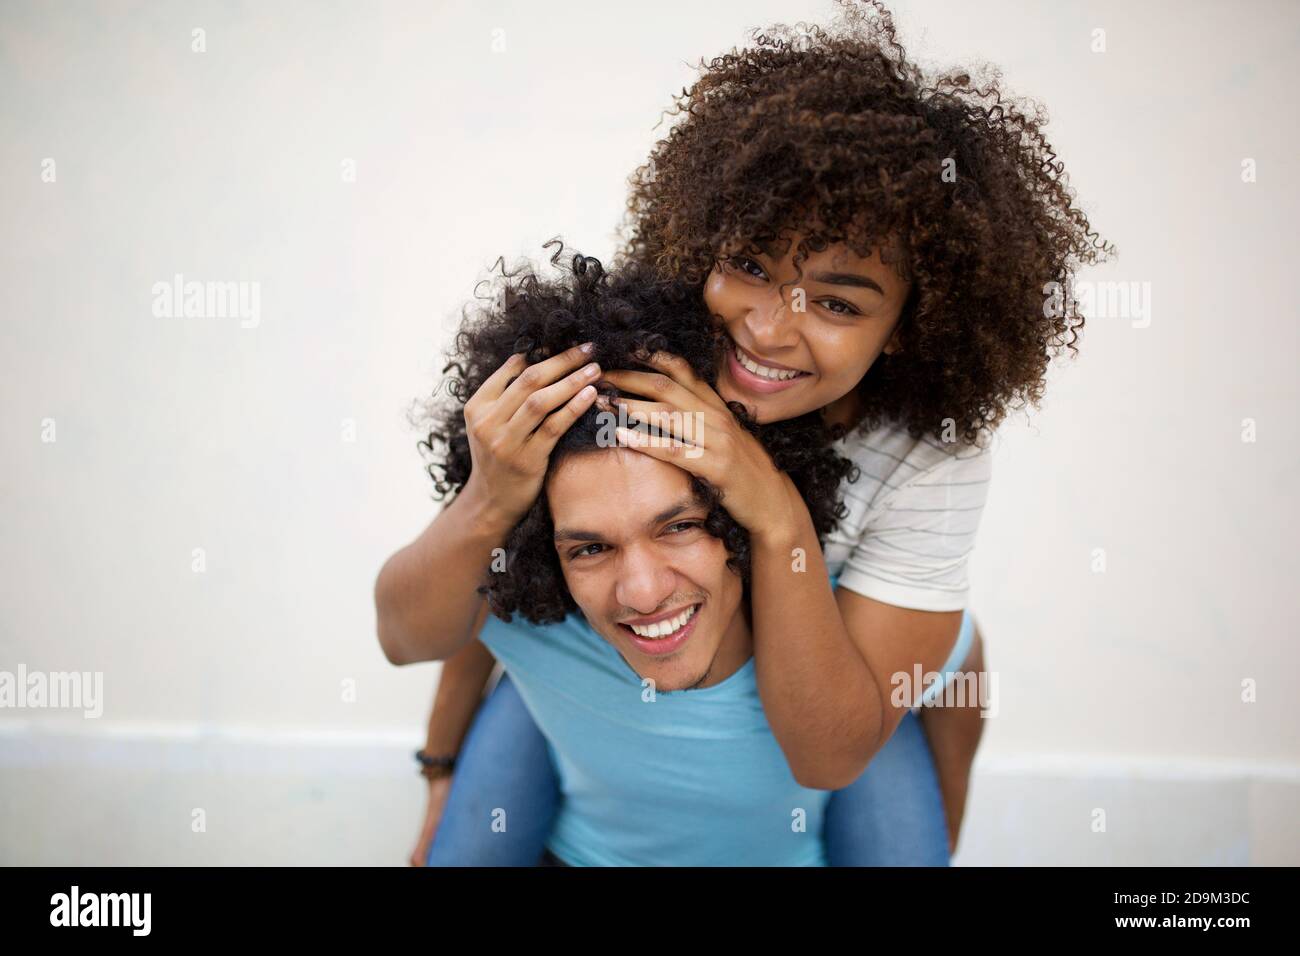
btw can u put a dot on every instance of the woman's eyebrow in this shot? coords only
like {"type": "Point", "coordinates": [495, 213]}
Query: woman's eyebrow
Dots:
{"type": "Point", "coordinates": [847, 278]}
{"type": "Point", "coordinates": [768, 248]}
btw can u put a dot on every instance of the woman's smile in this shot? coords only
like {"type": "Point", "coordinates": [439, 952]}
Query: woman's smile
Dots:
{"type": "Point", "coordinates": [751, 373]}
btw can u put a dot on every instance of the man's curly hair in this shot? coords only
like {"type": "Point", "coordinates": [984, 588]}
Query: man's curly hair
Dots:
{"type": "Point", "coordinates": [835, 134]}
{"type": "Point", "coordinates": [626, 314]}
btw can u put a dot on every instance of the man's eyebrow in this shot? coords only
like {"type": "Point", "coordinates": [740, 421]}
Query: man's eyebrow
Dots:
{"type": "Point", "coordinates": [685, 504]}
{"type": "Point", "coordinates": [574, 534]}
{"type": "Point", "coordinates": [847, 278]}
{"type": "Point", "coordinates": [672, 511]}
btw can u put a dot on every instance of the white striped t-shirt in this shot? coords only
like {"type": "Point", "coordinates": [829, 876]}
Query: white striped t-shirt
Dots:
{"type": "Point", "coordinates": [913, 514]}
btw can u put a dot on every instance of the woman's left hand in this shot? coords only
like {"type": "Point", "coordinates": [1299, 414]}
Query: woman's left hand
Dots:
{"type": "Point", "coordinates": [706, 439]}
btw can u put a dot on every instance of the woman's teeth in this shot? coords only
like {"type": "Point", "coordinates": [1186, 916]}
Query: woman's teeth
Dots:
{"type": "Point", "coordinates": [776, 374]}
{"type": "Point", "coordinates": [664, 628]}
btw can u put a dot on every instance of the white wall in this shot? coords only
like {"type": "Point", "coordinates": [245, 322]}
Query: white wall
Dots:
{"type": "Point", "coordinates": [1119, 690]}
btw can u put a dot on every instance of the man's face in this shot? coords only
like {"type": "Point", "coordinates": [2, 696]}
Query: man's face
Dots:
{"type": "Point", "coordinates": [649, 579]}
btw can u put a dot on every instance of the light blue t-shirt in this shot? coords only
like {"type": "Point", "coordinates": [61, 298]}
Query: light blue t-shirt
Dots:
{"type": "Point", "coordinates": [688, 778]}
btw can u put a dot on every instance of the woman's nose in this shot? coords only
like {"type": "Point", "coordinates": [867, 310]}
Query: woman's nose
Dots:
{"type": "Point", "coordinates": [772, 324]}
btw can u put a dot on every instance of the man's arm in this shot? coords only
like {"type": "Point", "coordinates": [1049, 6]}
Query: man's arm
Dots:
{"type": "Point", "coordinates": [460, 690]}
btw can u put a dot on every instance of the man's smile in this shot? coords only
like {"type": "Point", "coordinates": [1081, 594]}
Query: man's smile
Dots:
{"type": "Point", "coordinates": [662, 634]}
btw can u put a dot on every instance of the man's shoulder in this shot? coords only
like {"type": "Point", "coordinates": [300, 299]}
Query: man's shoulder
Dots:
{"type": "Point", "coordinates": [518, 629]}
{"type": "Point", "coordinates": [564, 647]}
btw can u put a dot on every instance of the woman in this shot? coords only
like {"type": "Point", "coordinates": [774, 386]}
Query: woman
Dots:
{"type": "Point", "coordinates": [876, 245]}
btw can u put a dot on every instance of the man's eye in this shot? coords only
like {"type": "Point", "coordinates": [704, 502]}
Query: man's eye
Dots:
{"type": "Point", "coordinates": [680, 526]}
{"type": "Point", "coordinates": [586, 551]}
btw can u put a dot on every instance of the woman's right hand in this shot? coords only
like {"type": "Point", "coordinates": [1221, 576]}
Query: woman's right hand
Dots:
{"type": "Point", "coordinates": [512, 422]}
{"type": "Point", "coordinates": [512, 426]}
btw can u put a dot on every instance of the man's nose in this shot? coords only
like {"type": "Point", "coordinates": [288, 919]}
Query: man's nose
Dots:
{"type": "Point", "coordinates": [644, 582]}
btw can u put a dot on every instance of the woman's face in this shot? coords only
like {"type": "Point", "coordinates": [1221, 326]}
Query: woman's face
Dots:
{"type": "Point", "coordinates": [801, 348]}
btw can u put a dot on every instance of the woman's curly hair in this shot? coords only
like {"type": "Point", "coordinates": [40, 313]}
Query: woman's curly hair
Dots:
{"type": "Point", "coordinates": [626, 314]}
{"type": "Point", "coordinates": [833, 133]}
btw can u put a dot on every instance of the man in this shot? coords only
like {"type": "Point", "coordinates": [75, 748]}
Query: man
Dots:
{"type": "Point", "coordinates": [647, 696]}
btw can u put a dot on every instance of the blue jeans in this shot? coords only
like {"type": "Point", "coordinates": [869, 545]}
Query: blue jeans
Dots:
{"type": "Point", "coordinates": [892, 815]}
{"type": "Point", "coordinates": [504, 766]}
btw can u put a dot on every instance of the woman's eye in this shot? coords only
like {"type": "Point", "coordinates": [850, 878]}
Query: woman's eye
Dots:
{"type": "Point", "coordinates": [747, 266]}
{"type": "Point", "coordinates": [839, 307]}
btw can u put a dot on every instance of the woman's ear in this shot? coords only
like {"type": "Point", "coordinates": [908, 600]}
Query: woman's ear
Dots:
{"type": "Point", "coordinates": [895, 343]}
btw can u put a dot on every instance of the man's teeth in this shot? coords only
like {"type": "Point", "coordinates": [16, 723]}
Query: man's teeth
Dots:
{"type": "Point", "coordinates": [664, 628]}
{"type": "Point", "coordinates": [776, 374]}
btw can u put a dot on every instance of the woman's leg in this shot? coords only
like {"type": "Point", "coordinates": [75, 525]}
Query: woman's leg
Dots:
{"type": "Point", "coordinates": [504, 792]}
{"type": "Point", "coordinates": [893, 814]}
{"type": "Point", "coordinates": [954, 732]}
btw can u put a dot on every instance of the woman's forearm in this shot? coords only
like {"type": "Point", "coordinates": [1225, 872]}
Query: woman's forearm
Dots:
{"type": "Point", "coordinates": [821, 699]}
{"type": "Point", "coordinates": [460, 689]}
{"type": "Point", "coordinates": [426, 596]}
